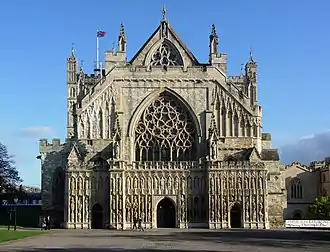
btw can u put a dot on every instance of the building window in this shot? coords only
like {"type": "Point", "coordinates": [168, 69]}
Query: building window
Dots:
{"type": "Point", "coordinates": [72, 92]}
{"type": "Point", "coordinates": [296, 189]}
{"type": "Point", "coordinates": [165, 132]}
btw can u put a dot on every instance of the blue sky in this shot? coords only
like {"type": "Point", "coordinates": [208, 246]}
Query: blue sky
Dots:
{"type": "Point", "coordinates": [290, 41]}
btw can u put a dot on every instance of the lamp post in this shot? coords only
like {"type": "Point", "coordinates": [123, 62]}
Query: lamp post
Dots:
{"type": "Point", "coordinates": [15, 210]}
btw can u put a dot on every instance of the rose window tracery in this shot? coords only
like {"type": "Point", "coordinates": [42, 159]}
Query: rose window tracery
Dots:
{"type": "Point", "coordinates": [165, 56]}
{"type": "Point", "coordinates": [165, 132]}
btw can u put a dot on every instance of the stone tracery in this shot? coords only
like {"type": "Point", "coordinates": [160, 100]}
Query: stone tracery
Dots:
{"type": "Point", "coordinates": [165, 132]}
{"type": "Point", "coordinates": [166, 55]}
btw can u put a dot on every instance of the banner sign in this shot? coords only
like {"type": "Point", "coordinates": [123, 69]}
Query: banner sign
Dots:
{"type": "Point", "coordinates": [307, 223]}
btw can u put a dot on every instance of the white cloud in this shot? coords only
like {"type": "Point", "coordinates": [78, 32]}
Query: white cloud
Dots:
{"type": "Point", "coordinates": [307, 149]}
{"type": "Point", "coordinates": [36, 132]}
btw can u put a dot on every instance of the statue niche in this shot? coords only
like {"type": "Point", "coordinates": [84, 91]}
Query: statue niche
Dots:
{"type": "Point", "coordinates": [165, 131]}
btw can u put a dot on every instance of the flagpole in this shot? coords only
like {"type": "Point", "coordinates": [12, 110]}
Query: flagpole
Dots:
{"type": "Point", "coordinates": [97, 51]}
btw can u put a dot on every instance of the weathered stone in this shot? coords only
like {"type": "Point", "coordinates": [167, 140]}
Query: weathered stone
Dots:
{"type": "Point", "coordinates": [165, 131]}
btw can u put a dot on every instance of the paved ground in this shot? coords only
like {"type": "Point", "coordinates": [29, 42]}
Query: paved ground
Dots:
{"type": "Point", "coordinates": [175, 240]}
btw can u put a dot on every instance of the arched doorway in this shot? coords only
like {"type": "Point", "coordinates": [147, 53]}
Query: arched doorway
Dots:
{"type": "Point", "coordinates": [165, 214]}
{"type": "Point", "coordinates": [97, 216]}
{"type": "Point", "coordinates": [236, 216]}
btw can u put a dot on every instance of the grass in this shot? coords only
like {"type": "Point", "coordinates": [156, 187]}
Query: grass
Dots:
{"type": "Point", "coordinates": [11, 235]}
{"type": "Point", "coordinates": [11, 226]}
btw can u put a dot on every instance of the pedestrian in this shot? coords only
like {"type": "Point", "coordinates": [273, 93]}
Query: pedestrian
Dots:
{"type": "Point", "coordinates": [140, 225]}
{"type": "Point", "coordinates": [134, 223]}
{"type": "Point", "coordinates": [48, 222]}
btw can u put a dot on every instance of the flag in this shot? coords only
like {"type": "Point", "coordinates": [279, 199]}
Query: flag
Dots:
{"type": "Point", "coordinates": [101, 34]}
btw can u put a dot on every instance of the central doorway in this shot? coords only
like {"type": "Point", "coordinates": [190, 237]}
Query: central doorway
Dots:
{"type": "Point", "coordinates": [236, 216]}
{"type": "Point", "coordinates": [97, 216]}
{"type": "Point", "coordinates": [165, 214]}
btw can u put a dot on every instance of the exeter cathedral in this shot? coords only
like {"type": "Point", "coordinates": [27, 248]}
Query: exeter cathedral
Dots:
{"type": "Point", "coordinates": [163, 138]}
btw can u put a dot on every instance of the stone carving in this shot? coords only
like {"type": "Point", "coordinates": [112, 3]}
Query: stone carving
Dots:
{"type": "Point", "coordinates": [247, 209]}
{"type": "Point", "coordinates": [87, 185]}
{"type": "Point", "coordinates": [166, 55]}
{"type": "Point", "coordinates": [166, 127]}
{"type": "Point", "coordinates": [164, 117]}
{"type": "Point", "coordinates": [128, 210]}
{"type": "Point", "coordinates": [73, 185]}
{"type": "Point", "coordinates": [79, 209]}
{"type": "Point", "coordinates": [86, 208]}
{"type": "Point", "coordinates": [149, 210]}
{"type": "Point", "coordinates": [72, 209]}
{"type": "Point", "coordinates": [183, 208]}
{"type": "Point", "coordinates": [116, 149]}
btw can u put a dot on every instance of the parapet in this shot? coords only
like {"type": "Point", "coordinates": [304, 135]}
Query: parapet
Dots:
{"type": "Point", "coordinates": [45, 146]}
{"type": "Point", "coordinates": [266, 137]}
{"type": "Point", "coordinates": [317, 164]}
{"type": "Point", "coordinates": [236, 79]}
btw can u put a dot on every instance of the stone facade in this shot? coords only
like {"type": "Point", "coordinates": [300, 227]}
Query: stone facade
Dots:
{"type": "Point", "coordinates": [166, 139]}
{"type": "Point", "coordinates": [304, 184]}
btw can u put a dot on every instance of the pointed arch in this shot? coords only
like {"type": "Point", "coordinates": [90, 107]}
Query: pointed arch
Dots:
{"type": "Point", "coordinates": [164, 54]}
{"type": "Point", "coordinates": [169, 134]}
{"type": "Point", "coordinates": [296, 189]}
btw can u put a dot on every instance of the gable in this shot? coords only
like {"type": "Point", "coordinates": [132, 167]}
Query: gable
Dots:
{"type": "Point", "coordinates": [74, 154]}
{"type": "Point", "coordinates": [164, 42]}
{"type": "Point", "coordinates": [295, 169]}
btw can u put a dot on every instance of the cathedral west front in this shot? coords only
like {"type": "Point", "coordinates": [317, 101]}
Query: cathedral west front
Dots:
{"type": "Point", "coordinates": [164, 138]}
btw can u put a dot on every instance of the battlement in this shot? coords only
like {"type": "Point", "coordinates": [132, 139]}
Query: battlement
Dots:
{"type": "Point", "coordinates": [297, 164]}
{"type": "Point", "coordinates": [236, 79]}
{"type": "Point", "coordinates": [317, 164]}
{"type": "Point", "coordinates": [45, 146]}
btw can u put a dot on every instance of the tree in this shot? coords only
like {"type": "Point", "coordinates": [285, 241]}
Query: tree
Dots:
{"type": "Point", "coordinates": [320, 208]}
{"type": "Point", "coordinates": [9, 177]}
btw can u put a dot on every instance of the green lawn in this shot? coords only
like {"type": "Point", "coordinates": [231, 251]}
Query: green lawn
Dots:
{"type": "Point", "coordinates": [6, 235]}
{"type": "Point", "coordinates": [11, 227]}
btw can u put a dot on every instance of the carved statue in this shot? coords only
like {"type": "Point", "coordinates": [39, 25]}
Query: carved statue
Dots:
{"type": "Point", "coordinates": [260, 183]}
{"type": "Point", "coordinates": [225, 211]}
{"type": "Point", "coordinates": [86, 208]}
{"type": "Point", "coordinates": [176, 183]}
{"type": "Point", "coordinates": [211, 184]}
{"type": "Point", "coordinates": [80, 184]}
{"type": "Point", "coordinates": [149, 210]}
{"type": "Point", "coordinates": [72, 209]}
{"type": "Point", "coordinates": [183, 207]}
{"type": "Point", "coordinates": [73, 185]}
{"type": "Point", "coordinates": [116, 149]}
{"type": "Point", "coordinates": [212, 209]}
{"type": "Point", "coordinates": [79, 209]}
{"type": "Point", "coordinates": [213, 150]}
{"type": "Point", "coordinates": [87, 185]}
{"type": "Point", "coordinates": [247, 209]}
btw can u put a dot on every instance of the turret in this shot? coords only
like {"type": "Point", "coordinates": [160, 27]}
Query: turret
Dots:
{"type": "Point", "coordinates": [214, 42]}
{"type": "Point", "coordinates": [216, 59]}
{"type": "Point", "coordinates": [115, 58]}
{"type": "Point", "coordinates": [251, 80]}
{"type": "Point", "coordinates": [72, 92]}
{"type": "Point", "coordinates": [122, 40]}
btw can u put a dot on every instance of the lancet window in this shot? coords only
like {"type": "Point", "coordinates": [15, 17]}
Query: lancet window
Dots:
{"type": "Point", "coordinates": [166, 55]}
{"type": "Point", "coordinates": [296, 189]}
{"type": "Point", "coordinates": [165, 132]}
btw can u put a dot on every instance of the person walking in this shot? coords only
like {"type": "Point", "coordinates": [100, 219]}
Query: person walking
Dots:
{"type": "Point", "coordinates": [140, 225]}
{"type": "Point", "coordinates": [48, 222]}
{"type": "Point", "coordinates": [134, 223]}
